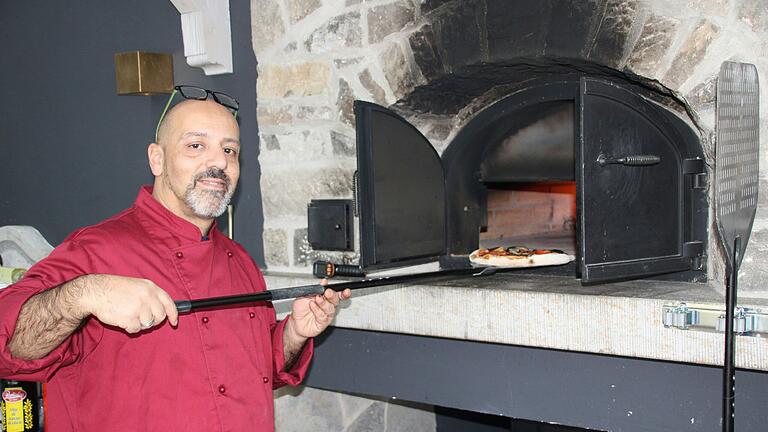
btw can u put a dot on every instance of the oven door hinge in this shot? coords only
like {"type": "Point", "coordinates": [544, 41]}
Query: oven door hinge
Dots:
{"type": "Point", "coordinates": [695, 251]}
{"type": "Point", "coordinates": [698, 170]}
{"type": "Point", "coordinates": [746, 321]}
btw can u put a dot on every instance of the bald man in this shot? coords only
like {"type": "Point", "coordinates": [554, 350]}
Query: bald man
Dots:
{"type": "Point", "coordinates": [97, 321]}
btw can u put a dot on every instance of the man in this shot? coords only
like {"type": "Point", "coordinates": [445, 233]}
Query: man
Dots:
{"type": "Point", "coordinates": [96, 319]}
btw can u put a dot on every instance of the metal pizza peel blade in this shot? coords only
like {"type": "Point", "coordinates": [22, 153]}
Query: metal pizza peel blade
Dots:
{"type": "Point", "coordinates": [736, 186]}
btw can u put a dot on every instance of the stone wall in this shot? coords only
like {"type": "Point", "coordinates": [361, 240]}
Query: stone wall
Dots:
{"type": "Point", "coordinates": [316, 56]}
{"type": "Point", "coordinates": [307, 409]}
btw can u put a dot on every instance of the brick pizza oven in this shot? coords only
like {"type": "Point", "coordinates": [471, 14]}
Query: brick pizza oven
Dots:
{"type": "Point", "coordinates": [501, 91]}
{"type": "Point", "coordinates": [495, 89]}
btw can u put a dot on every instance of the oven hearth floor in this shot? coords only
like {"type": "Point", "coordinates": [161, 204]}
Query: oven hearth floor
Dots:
{"type": "Point", "coordinates": [547, 311]}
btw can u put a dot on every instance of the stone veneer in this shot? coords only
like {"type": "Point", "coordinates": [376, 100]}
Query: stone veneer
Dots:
{"type": "Point", "coordinates": [315, 57]}
{"type": "Point", "coordinates": [302, 409]}
{"type": "Point", "coordinates": [438, 62]}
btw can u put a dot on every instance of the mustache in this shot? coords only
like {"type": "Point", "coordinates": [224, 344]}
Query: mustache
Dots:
{"type": "Point", "coordinates": [213, 172]}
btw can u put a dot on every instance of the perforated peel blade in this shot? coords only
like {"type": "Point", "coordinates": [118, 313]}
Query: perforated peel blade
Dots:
{"type": "Point", "coordinates": [736, 155]}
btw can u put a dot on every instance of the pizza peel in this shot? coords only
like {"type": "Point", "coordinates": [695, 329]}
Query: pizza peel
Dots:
{"type": "Point", "coordinates": [184, 306]}
{"type": "Point", "coordinates": [736, 184]}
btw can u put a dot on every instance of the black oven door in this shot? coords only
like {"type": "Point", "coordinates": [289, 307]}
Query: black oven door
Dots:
{"type": "Point", "coordinates": [400, 191]}
{"type": "Point", "coordinates": [632, 192]}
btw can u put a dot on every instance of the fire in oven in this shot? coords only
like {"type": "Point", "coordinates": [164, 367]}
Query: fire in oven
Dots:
{"type": "Point", "coordinates": [583, 165]}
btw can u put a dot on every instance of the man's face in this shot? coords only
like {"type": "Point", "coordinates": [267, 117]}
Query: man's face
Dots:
{"type": "Point", "coordinates": [200, 160]}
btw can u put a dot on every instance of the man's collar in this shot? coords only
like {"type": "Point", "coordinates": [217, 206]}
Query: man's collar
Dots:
{"type": "Point", "coordinates": [159, 214]}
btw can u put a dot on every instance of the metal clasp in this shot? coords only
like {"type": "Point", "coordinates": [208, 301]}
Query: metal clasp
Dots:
{"type": "Point", "coordinates": [746, 321]}
{"type": "Point", "coordinates": [679, 316]}
{"type": "Point", "coordinates": [743, 322]}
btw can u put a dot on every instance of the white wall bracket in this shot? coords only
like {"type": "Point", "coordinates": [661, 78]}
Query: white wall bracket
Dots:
{"type": "Point", "coordinates": [205, 27]}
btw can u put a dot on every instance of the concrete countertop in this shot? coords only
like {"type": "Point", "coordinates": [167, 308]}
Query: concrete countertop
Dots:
{"type": "Point", "coordinates": [556, 312]}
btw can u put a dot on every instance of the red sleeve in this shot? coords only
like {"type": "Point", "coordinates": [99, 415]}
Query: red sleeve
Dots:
{"type": "Point", "coordinates": [65, 263]}
{"type": "Point", "coordinates": [299, 370]}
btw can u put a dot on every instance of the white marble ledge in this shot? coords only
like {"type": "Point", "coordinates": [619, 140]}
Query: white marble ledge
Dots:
{"type": "Point", "coordinates": [549, 312]}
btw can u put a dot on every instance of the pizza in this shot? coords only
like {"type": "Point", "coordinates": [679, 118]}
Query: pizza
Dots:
{"type": "Point", "coordinates": [519, 256]}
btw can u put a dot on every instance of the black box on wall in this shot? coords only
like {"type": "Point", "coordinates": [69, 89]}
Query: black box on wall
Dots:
{"type": "Point", "coordinates": [330, 225]}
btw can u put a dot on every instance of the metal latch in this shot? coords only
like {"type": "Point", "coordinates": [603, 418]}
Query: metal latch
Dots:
{"type": "Point", "coordinates": [746, 321]}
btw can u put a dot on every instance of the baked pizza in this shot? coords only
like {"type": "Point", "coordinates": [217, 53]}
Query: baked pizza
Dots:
{"type": "Point", "coordinates": [519, 256]}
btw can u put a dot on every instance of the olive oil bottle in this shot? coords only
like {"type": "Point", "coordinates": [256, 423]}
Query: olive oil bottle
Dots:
{"type": "Point", "coordinates": [20, 406]}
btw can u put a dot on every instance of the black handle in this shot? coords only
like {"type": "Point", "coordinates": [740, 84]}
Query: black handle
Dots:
{"type": "Point", "coordinates": [355, 196]}
{"type": "Point", "coordinates": [183, 306]}
{"type": "Point", "coordinates": [278, 294]}
{"type": "Point", "coordinates": [632, 160]}
{"type": "Point", "coordinates": [729, 362]}
{"type": "Point", "coordinates": [326, 269]}
{"type": "Point", "coordinates": [305, 290]}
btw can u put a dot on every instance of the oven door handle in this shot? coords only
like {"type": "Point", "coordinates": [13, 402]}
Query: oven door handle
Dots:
{"type": "Point", "coordinates": [632, 160]}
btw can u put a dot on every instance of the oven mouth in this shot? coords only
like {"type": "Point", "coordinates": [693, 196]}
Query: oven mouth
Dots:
{"type": "Point", "coordinates": [528, 175]}
{"type": "Point", "coordinates": [540, 215]}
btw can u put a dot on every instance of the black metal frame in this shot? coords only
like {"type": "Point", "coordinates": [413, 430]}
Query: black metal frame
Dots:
{"type": "Point", "coordinates": [385, 242]}
{"type": "Point", "coordinates": [586, 390]}
{"type": "Point", "coordinates": [465, 191]}
{"type": "Point", "coordinates": [221, 98]}
{"type": "Point", "coordinates": [464, 155]}
{"type": "Point", "coordinates": [600, 215]}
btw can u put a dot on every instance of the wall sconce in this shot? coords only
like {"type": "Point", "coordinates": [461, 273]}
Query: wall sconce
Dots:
{"type": "Point", "coordinates": [207, 34]}
{"type": "Point", "coordinates": [143, 73]}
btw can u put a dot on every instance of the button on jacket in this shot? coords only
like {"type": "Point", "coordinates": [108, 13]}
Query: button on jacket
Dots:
{"type": "Point", "coordinates": [214, 372]}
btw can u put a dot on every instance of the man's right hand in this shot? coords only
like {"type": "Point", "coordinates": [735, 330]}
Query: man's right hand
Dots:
{"type": "Point", "coordinates": [129, 303]}
{"type": "Point", "coordinates": [46, 319]}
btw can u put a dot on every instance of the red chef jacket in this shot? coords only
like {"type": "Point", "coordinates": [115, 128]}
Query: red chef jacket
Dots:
{"type": "Point", "coordinates": [214, 372]}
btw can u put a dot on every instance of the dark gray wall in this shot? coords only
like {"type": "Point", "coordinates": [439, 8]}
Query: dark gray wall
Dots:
{"type": "Point", "coordinates": [582, 390]}
{"type": "Point", "coordinates": [73, 152]}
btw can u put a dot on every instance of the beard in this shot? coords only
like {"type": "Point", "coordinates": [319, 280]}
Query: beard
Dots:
{"type": "Point", "coordinates": [209, 203]}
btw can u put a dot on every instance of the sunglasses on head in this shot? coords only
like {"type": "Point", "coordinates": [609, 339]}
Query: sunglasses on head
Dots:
{"type": "Point", "coordinates": [199, 93]}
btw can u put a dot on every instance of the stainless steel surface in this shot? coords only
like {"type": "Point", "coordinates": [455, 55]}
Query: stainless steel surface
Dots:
{"type": "Point", "coordinates": [737, 158]}
{"type": "Point", "coordinates": [736, 185]}
{"type": "Point", "coordinates": [683, 316]}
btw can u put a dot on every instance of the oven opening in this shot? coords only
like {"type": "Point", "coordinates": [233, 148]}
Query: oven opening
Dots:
{"type": "Point", "coordinates": [529, 180]}
{"type": "Point", "coordinates": [539, 215]}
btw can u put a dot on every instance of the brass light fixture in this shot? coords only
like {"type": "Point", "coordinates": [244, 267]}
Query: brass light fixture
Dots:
{"type": "Point", "coordinates": [143, 73]}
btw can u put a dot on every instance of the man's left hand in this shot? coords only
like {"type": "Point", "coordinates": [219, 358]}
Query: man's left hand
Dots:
{"type": "Point", "coordinates": [310, 316]}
